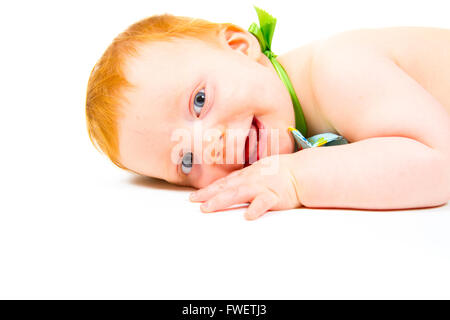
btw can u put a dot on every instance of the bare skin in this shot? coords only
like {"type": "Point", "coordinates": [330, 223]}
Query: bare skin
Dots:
{"type": "Point", "coordinates": [386, 91]}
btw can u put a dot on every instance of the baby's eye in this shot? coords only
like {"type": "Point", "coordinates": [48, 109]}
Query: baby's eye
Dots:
{"type": "Point", "coordinates": [186, 163]}
{"type": "Point", "coordinates": [199, 102]}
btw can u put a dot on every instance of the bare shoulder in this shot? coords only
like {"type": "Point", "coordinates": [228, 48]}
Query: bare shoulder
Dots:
{"type": "Point", "coordinates": [376, 82]}
{"type": "Point", "coordinates": [396, 41]}
{"type": "Point", "coordinates": [422, 53]}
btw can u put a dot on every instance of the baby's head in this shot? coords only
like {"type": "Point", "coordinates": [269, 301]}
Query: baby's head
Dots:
{"type": "Point", "coordinates": [178, 99]}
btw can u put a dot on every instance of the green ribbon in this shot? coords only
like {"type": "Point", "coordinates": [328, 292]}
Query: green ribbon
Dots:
{"type": "Point", "coordinates": [264, 34]}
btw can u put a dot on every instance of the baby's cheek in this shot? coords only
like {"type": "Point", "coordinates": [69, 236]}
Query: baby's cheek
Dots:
{"type": "Point", "coordinates": [208, 176]}
{"type": "Point", "coordinates": [205, 180]}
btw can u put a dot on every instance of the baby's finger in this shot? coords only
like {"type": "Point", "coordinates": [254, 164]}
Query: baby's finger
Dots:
{"type": "Point", "coordinates": [223, 200]}
{"type": "Point", "coordinates": [216, 187]}
{"type": "Point", "coordinates": [260, 205]}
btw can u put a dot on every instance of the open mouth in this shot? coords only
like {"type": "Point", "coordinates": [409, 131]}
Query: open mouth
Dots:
{"type": "Point", "coordinates": [252, 149]}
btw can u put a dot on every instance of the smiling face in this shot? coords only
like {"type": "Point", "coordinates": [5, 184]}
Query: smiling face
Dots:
{"type": "Point", "coordinates": [197, 102]}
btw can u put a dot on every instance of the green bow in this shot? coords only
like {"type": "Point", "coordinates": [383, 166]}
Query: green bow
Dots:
{"type": "Point", "coordinates": [264, 34]}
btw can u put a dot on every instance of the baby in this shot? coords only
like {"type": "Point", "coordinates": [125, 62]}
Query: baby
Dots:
{"type": "Point", "coordinates": [209, 105]}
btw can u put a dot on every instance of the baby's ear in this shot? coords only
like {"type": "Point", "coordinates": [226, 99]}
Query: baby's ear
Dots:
{"type": "Point", "coordinates": [241, 41]}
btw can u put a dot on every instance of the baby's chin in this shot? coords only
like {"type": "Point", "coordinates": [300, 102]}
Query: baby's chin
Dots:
{"type": "Point", "coordinates": [286, 144]}
{"type": "Point", "coordinates": [279, 140]}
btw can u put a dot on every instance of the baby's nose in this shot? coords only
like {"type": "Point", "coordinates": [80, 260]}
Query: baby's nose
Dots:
{"type": "Point", "coordinates": [216, 149]}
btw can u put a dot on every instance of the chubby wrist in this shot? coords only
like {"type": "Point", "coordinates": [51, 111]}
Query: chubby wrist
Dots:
{"type": "Point", "coordinates": [294, 167]}
{"type": "Point", "coordinates": [306, 167]}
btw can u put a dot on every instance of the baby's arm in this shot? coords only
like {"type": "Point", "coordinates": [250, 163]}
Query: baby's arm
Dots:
{"type": "Point", "coordinates": [400, 153]}
{"type": "Point", "coordinates": [375, 173]}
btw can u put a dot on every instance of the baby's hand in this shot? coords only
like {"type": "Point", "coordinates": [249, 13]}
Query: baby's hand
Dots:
{"type": "Point", "coordinates": [267, 184]}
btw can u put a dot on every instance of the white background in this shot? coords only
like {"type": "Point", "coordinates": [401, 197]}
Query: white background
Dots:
{"type": "Point", "coordinates": [74, 226]}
